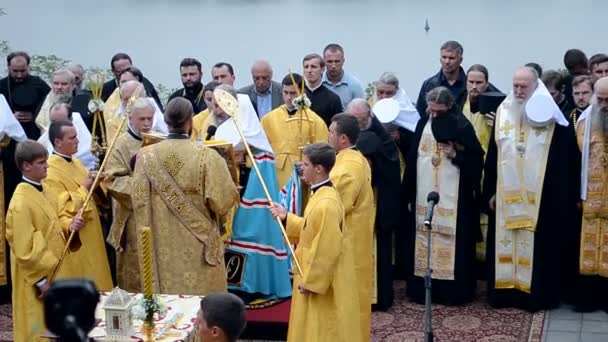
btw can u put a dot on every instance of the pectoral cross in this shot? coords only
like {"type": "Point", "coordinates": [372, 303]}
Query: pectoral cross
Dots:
{"type": "Point", "coordinates": [507, 128]}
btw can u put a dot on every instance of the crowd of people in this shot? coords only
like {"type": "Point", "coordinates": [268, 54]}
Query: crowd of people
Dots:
{"type": "Point", "coordinates": [522, 179]}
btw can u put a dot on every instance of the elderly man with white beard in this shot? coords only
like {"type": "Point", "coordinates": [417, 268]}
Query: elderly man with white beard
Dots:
{"type": "Point", "coordinates": [531, 161]}
{"type": "Point", "coordinates": [62, 87]}
{"type": "Point", "coordinates": [592, 136]}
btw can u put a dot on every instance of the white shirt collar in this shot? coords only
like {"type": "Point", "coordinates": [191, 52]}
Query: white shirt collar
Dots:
{"type": "Point", "coordinates": [61, 154]}
{"type": "Point", "coordinates": [30, 181]}
{"type": "Point", "coordinates": [315, 88]}
{"type": "Point", "coordinates": [315, 186]}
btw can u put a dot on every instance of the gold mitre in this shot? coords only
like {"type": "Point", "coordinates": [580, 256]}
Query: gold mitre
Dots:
{"type": "Point", "coordinates": [228, 103]}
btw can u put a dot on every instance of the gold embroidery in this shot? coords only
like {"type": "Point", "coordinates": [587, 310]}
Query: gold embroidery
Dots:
{"type": "Point", "coordinates": [173, 164]}
{"type": "Point", "coordinates": [507, 127]}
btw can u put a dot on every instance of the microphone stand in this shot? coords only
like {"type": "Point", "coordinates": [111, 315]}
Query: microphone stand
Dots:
{"type": "Point", "coordinates": [428, 310]}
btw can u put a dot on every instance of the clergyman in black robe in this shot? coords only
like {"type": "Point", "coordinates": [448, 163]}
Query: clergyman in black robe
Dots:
{"type": "Point", "coordinates": [378, 147]}
{"type": "Point", "coordinates": [555, 238]}
{"type": "Point", "coordinates": [449, 127]}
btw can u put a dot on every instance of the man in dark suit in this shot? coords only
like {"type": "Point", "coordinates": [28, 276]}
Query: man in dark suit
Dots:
{"type": "Point", "coordinates": [265, 94]}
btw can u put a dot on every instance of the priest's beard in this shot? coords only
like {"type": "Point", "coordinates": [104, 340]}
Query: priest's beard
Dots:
{"type": "Point", "coordinates": [599, 121]}
{"type": "Point", "coordinates": [54, 98]}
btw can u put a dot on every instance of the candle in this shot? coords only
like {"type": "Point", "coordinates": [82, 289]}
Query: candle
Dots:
{"type": "Point", "coordinates": [146, 250]}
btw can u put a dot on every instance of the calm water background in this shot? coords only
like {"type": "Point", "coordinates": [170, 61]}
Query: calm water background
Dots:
{"type": "Point", "coordinates": [380, 35]}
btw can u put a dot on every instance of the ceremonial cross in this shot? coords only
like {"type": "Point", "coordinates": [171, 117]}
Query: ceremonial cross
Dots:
{"type": "Point", "coordinates": [507, 127]}
{"type": "Point", "coordinates": [505, 242]}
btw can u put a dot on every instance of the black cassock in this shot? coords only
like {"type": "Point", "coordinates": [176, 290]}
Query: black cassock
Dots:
{"type": "Point", "coordinates": [469, 160]}
{"type": "Point", "coordinates": [376, 145]}
{"type": "Point", "coordinates": [555, 238]}
{"type": "Point", "coordinates": [26, 96]}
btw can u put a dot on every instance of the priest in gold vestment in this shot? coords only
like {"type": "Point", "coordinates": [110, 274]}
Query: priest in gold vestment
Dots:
{"type": "Point", "coordinates": [123, 232]}
{"type": "Point", "coordinates": [36, 238]}
{"type": "Point", "coordinates": [352, 177]}
{"type": "Point", "coordinates": [324, 304]}
{"type": "Point", "coordinates": [531, 226]}
{"type": "Point", "coordinates": [446, 158]}
{"type": "Point", "coordinates": [127, 90]}
{"type": "Point", "coordinates": [66, 186]}
{"type": "Point", "coordinates": [592, 136]}
{"type": "Point", "coordinates": [62, 85]}
{"type": "Point", "coordinates": [199, 121]}
{"type": "Point", "coordinates": [180, 189]}
{"type": "Point", "coordinates": [288, 129]}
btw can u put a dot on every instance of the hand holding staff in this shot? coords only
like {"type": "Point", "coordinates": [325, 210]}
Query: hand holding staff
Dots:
{"type": "Point", "coordinates": [78, 217]}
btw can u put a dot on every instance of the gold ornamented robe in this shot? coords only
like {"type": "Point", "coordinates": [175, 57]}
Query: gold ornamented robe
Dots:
{"type": "Point", "coordinates": [331, 311]}
{"type": "Point", "coordinates": [287, 133]}
{"type": "Point", "coordinates": [123, 232]}
{"type": "Point", "coordinates": [437, 173]}
{"type": "Point", "coordinates": [110, 117]}
{"type": "Point", "coordinates": [180, 190]}
{"type": "Point", "coordinates": [352, 177]}
{"type": "Point", "coordinates": [64, 187]}
{"type": "Point", "coordinates": [594, 235]}
{"type": "Point", "coordinates": [36, 239]}
{"type": "Point", "coordinates": [483, 132]}
{"type": "Point", "coordinates": [199, 130]}
{"type": "Point", "coordinates": [518, 195]}
{"type": "Point", "coordinates": [43, 119]}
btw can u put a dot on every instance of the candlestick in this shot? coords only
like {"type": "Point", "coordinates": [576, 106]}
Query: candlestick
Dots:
{"type": "Point", "coordinates": [146, 249]}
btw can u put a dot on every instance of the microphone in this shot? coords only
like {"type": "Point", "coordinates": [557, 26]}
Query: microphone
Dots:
{"type": "Point", "coordinates": [210, 132]}
{"type": "Point", "coordinates": [432, 199]}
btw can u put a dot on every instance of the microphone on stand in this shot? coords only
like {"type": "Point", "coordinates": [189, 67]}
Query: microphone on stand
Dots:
{"type": "Point", "coordinates": [210, 132]}
{"type": "Point", "coordinates": [432, 200]}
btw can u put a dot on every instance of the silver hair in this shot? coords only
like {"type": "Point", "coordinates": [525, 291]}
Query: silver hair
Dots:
{"type": "Point", "coordinates": [134, 85]}
{"type": "Point", "coordinates": [440, 95]}
{"type": "Point", "coordinates": [453, 46]}
{"type": "Point", "coordinates": [143, 102]}
{"type": "Point", "coordinates": [389, 78]}
{"type": "Point", "coordinates": [64, 72]}
{"type": "Point", "coordinates": [228, 88]}
{"type": "Point", "coordinates": [358, 103]}
{"type": "Point", "coordinates": [76, 67]}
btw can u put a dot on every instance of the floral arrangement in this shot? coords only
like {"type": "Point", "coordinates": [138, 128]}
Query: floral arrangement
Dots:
{"type": "Point", "coordinates": [145, 308]}
{"type": "Point", "coordinates": [301, 102]}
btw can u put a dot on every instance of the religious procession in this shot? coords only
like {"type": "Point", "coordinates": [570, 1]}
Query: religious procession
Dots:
{"type": "Point", "coordinates": [302, 196]}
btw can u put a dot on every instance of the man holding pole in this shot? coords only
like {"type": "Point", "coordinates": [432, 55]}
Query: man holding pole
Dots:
{"type": "Point", "coordinates": [36, 237]}
{"type": "Point", "coordinates": [325, 304]}
{"type": "Point", "coordinates": [180, 190]}
{"type": "Point", "coordinates": [67, 186]}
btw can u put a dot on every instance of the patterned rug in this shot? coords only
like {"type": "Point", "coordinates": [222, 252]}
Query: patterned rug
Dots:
{"type": "Point", "coordinates": [477, 321]}
{"type": "Point", "coordinates": [404, 322]}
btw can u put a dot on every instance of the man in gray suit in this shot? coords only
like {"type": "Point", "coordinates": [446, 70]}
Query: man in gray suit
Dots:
{"type": "Point", "coordinates": [265, 94]}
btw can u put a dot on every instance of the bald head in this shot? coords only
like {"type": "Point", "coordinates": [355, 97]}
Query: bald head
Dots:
{"type": "Point", "coordinates": [261, 72]}
{"type": "Point", "coordinates": [601, 94]}
{"type": "Point", "coordinates": [60, 111]}
{"type": "Point", "coordinates": [78, 72]}
{"type": "Point", "coordinates": [360, 109]}
{"type": "Point", "coordinates": [130, 88]}
{"type": "Point", "coordinates": [525, 81]}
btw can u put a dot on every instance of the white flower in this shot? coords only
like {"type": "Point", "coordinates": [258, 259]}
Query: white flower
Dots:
{"type": "Point", "coordinates": [301, 102]}
{"type": "Point", "coordinates": [138, 310]}
{"type": "Point", "coordinates": [95, 105]}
